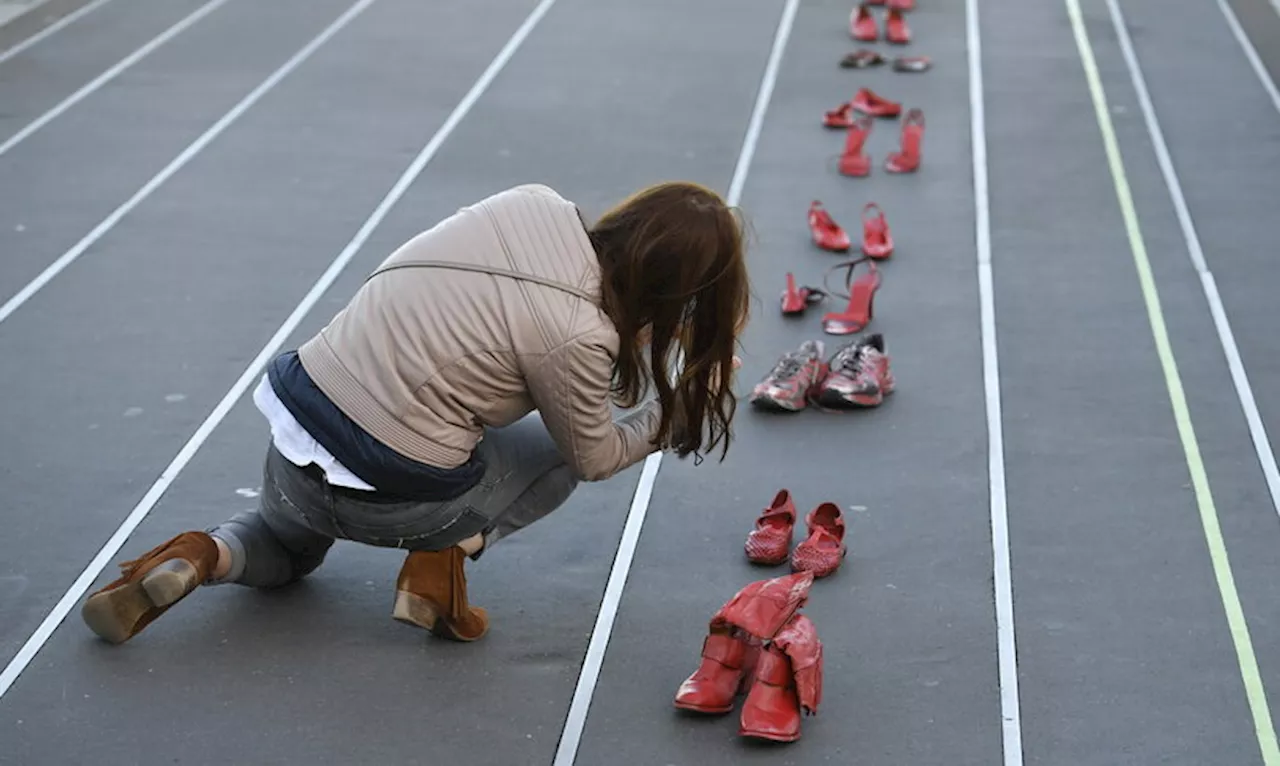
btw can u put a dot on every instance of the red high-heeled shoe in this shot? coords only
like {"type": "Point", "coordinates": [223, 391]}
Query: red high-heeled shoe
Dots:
{"type": "Point", "coordinates": [877, 241]}
{"type": "Point", "coordinates": [840, 117]}
{"type": "Point", "coordinates": [896, 30]}
{"type": "Point", "coordinates": [869, 102]}
{"type": "Point", "coordinates": [826, 233]}
{"type": "Point", "coordinates": [907, 160]}
{"type": "Point", "coordinates": [862, 26]}
{"type": "Point", "coordinates": [796, 299]}
{"type": "Point", "coordinates": [854, 161]}
{"type": "Point", "coordinates": [862, 298]}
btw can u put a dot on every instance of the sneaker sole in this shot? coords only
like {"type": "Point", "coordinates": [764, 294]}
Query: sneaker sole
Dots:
{"type": "Point", "coordinates": [835, 401]}
{"type": "Point", "coordinates": [772, 405]}
{"type": "Point", "coordinates": [113, 614]}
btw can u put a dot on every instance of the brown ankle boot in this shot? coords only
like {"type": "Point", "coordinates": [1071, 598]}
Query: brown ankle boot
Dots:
{"type": "Point", "coordinates": [149, 585]}
{"type": "Point", "coordinates": [431, 593]}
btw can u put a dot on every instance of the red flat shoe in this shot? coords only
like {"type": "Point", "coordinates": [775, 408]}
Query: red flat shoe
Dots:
{"type": "Point", "coordinates": [896, 30]}
{"type": "Point", "coordinates": [908, 158]}
{"type": "Point", "coordinates": [770, 541]}
{"type": "Point", "coordinates": [854, 161]}
{"type": "Point", "coordinates": [840, 117]}
{"type": "Point", "coordinates": [796, 299]}
{"type": "Point", "coordinates": [827, 234]}
{"type": "Point", "coordinates": [868, 102]}
{"type": "Point", "coordinates": [862, 299]}
{"type": "Point", "coordinates": [877, 241]}
{"type": "Point", "coordinates": [862, 27]}
{"type": "Point", "coordinates": [902, 5]}
{"type": "Point", "coordinates": [824, 549]}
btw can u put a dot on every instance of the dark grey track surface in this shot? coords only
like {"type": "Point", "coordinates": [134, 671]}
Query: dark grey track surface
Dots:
{"type": "Point", "coordinates": [1124, 652]}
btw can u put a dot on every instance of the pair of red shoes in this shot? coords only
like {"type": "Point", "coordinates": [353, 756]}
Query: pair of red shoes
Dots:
{"type": "Point", "coordinates": [860, 306]}
{"type": "Point", "coordinates": [854, 161]}
{"type": "Point", "coordinates": [865, 101]}
{"type": "Point", "coordinates": [760, 644]}
{"type": "Point", "coordinates": [877, 240]}
{"type": "Point", "coordinates": [857, 376]}
{"type": "Point", "coordinates": [822, 550]}
{"type": "Point", "coordinates": [862, 25]}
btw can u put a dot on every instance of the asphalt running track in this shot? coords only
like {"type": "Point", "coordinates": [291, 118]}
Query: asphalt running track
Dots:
{"type": "Point", "coordinates": [1081, 318]}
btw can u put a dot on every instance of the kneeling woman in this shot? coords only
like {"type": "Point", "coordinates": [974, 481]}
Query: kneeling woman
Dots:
{"type": "Point", "coordinates": [466, 389]}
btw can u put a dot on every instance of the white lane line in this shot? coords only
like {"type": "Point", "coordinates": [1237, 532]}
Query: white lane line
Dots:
{"type": "Point", "coordinates": [93, 85]}
{"type": "Point", "coordinates": [179, 162]}
{"type": "Point", "coordinates": [251, 373]}
{"type": "Point", "coordinates": [1251, 52]}
{"type": "Point", "coordinates": [589, 674]}
{"type": "Point", "coordinates": [1002, 566]}
{"type": "Point", "coordinates": [52, 29]}
{"type": "Point", "coordinates": [1244, 392]}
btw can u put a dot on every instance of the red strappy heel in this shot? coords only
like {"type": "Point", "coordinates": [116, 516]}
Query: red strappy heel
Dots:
{"type": "Point", "coordinates": [854, 161]}
{"type": "Point", "coordinates": [862, 26]}
{"type": "Point", "coordinates": [796, 299]}
{"type": "Point", "coordinates": [896, 30]}
{"type": "Point", "coordinates": [827, 234]}
{"type": "Point", "coordinates": [869, 102]}
{"type": "Point", "coordinates": [840, 117]}
{"type": "Point", "coordinates": [862, 299]}
{"type": "Point", "coordinates": [877, 241]}
{"type": "Point", "coordinates": [908, 159]}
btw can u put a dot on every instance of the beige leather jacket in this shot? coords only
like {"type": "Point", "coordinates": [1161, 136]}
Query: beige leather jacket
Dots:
{"type": "Point", "coordinates": [476, 322]}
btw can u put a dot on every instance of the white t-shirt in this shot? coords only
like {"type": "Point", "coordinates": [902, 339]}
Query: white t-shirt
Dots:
{"type": "Point", "coordinates": [298, 446]}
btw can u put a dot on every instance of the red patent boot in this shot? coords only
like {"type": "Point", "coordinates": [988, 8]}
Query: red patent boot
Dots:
{"type": "Point", "coordinates": [840, 117]}
{"type": "Point", "coordinates": [824, 548]}
{"type": "Point", "coordinates": [868, 102]}
{"type": "Point", "coordinates": [826, 233]}
{"type": "Point", "coordinates": [862, 26]}
{"type": "Point", "coordinates": [718, 680]}
{"type": "Point", "coordinates": [788, 680]}
{"type": "Point", "coordinates": [772, 709]}
{"type": "Point", "coordinates": [877, 241]}
{"type": "Point", "coordinates": [770, 542]}
{"type": "Point", "coordinates": [907, 160]}
{"type": "Point", "coordinates": [854, 161]}
{"type": "Point", "coordinates": [896, 30]}
{"type": "Point", "coordinates": [862, 297]}
{"type": "Point", "coordinates": [796, 299]}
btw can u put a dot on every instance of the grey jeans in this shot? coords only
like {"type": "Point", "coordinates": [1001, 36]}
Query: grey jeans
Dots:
{"type": "Point", "coordinates": [299, 514]}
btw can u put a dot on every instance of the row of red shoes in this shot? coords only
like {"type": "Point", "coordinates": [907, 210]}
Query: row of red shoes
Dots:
{"type": "Point", "coordinates": [857, 376]}
{"type": "Point", "coordinates": [759, 644]}
{"type": "Point", "coordinates": [877, 245]}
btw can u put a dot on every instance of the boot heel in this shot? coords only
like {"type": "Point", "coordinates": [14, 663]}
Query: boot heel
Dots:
{"type": "Point", "coordinates": [113, 614]}
{"type": "Point", "coordinates": [170, 581]}
{"type": "Point", "coordinates": [414, 610]}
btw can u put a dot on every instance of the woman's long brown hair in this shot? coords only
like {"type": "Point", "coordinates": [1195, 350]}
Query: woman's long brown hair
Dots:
{"type": "Point", "coordinates": [672, 261]}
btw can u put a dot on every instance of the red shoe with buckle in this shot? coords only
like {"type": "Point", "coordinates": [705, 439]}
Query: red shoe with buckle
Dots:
{"type": "Point", "coordinates": [827, 234]}
{"type": "Point", "coordinates": [854, 161]}
{"type": "Point", "coordinates": [840, 117]}
{"type": "Point", "coordinates": [725, 667]}
{"type": "Point", "coordinates": [796, 375]}
{"type": "Point", "coordinates": [796, 299]}
{"type": "Point", "coordinates": [770, 542]}
{"type": "Point", "coordinates": [896, 30]}
{"type": "Point", "coordinates": [862, 27]}
{"type": "Point", "coordinates": [868, 102]}
{"type": "Point", "coordinates": [907, 160]}
{"type": "Point", "coordinates": [858, 376]}
{"type": "Point", "coordinates": [824, 549]}
{"type": "Point", "coordinates": [862, 300]}
{"type": "Point", "coordinates": [877, 241]}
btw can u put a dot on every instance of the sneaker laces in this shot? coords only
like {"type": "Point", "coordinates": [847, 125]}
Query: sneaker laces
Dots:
{"type": "Point", "coordinates": [789, 365]}
{"type": "Point", "coordinates": [849, 359]}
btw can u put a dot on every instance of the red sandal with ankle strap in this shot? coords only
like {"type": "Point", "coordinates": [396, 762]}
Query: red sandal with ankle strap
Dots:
{"type": "Point", "coordinates": [826, 233]}
{"type": "Point", "coordinates": [877, 241]}
{"type": "Point", "coordinates": [907, 159]}
{"type": "Point", "coordinates": [853, 161]}
{"type": "Point", "coordinates": [860, 309]}
{"type": "Point", "coordinates": [796, 299]}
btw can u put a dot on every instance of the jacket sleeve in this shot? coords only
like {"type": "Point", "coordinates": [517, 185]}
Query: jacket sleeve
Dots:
{"type": "Point", "coordinates": [570, 386]}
